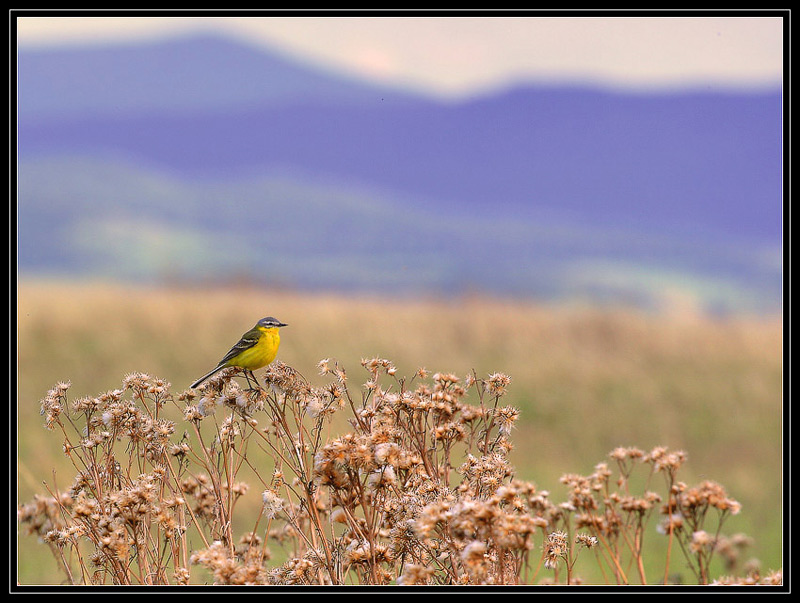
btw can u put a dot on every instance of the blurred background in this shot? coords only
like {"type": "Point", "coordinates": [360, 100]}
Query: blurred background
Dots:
{"type": "Point", "coordinates": [592, 205]}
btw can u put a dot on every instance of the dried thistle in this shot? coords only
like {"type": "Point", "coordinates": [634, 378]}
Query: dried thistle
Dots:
{"type": "Point", "coordinates": [419, 489]}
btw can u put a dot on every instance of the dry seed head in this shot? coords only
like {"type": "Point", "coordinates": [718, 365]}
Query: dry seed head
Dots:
{"type": "Point", "coordinates": [663, 460]}
{"type": "Point", "coordinates": [556, 547]}
{"type": "Point", "coordinates": [416, 574]}
{"type": "Point", "coordinates": [449, 431]}
{"type": "Point", "coordinates": [701, 540]}
{"type": "Point", "coordinates": [136, 380]}
{"type": "Point", "coordinates": [87, 404]}
{"type": "Point", "coordinates": [388, 453]}
{"type": "Point", "coordinates": [273, 503]}
{"type": "Point", "coordinates": [635, 504]}
{"type": "Point", "coordinates": [181, 576]}
{"type": "Point", "coordinates": [229, 429]}
{"type": "Point", "coordinates": [621, 453]}
{"type": "Point", "coordinates": [670, 524]}
{"type": "Point", "coordinates": [54, 403]}
{"type": "Point", "coordinates": [315, 407]}
{"type": "Point", "coordinates": [339, 515]}
{"type": "Point", "coordinates": [506, 416]}
{"type": "Point", "coordinates": [474, 553]}
{"type": "Point", "coordinates": [192, 413]}
{"type": "Point", "coordinates": [497, 384]}
{"type": "Point", "coordinates": [442, 380]}
{"type": "Point", "coordinates": [207, 405]}
{"type": "Point", "coordinates": [707, 494]}
{"type": "Point", "coordinates": [600, 475]}
{"type": "Point", "coordinates": [284, 379]}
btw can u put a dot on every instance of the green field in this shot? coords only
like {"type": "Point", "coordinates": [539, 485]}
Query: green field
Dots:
{"type": "Point", "coordinates": [585, 380]}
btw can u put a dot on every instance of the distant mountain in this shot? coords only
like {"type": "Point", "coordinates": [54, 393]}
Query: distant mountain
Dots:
{"type": "Point", "coordinates": [705, 162]}
{"type": "Point", "coordinates": [106, 217]}
{"type": "Point", "coordinates": [198, 73]}
{"type": "Point", "coordinates": [532, 185]}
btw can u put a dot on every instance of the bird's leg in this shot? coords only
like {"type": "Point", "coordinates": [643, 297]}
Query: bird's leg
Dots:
{"type": "Point", "coordinates": [247, 375]}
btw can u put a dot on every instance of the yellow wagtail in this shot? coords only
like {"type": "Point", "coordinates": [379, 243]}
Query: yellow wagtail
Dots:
{"type": "Point", "coordinates": [257, 348]}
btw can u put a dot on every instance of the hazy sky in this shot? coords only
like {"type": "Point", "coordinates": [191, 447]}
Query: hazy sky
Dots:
{"type": "Point", "coordinates": [464, 54]}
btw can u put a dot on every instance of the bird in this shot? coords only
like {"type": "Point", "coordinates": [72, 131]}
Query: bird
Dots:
{"type": "Point", "coordinates": [257, 348]}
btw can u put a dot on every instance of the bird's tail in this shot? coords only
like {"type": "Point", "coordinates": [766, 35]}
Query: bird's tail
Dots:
{"type": "Point", "coordinates": [206, 376]}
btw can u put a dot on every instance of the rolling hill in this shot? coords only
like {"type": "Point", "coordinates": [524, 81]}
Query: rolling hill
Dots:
{"type": "Point", "coordinates": [200, 156]}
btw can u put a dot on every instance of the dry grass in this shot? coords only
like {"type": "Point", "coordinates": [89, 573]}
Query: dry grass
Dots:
{"type": "Point", "coordinates": [585, 382]}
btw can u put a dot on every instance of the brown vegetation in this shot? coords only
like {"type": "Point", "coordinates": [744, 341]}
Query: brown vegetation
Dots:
{"type": "Point", "coordinates": [585, 381]}
{"type": "Point", "coordinates": [419, 490]}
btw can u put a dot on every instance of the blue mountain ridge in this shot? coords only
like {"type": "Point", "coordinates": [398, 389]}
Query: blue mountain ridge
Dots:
{"type": "Point", "coordinates": [109, 217]}
{"type": "Point", "coordinates": [706, 162]}
{"type": "Point", "coordinates": [695, 166]}
{"type": "Point", "coordinates": [174, 75]}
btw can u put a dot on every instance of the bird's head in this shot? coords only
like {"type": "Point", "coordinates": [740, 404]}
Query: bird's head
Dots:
{"type": "Point", "coordinates": [270, 323]}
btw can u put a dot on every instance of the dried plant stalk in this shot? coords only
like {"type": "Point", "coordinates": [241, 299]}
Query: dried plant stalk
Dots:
{"type": "Point", "coordinates": [418, 489]}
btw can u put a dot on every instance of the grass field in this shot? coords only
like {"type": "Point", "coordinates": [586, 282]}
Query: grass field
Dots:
{"type": "Point", "coordinates": [585, 380]}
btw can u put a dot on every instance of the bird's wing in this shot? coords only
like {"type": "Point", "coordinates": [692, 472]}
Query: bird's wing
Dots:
{"type": "Point", "coordinates": [248, 340]}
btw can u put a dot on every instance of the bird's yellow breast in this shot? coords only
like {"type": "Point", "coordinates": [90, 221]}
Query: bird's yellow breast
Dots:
{"type": "Point", "coordinates": [262, 353]}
